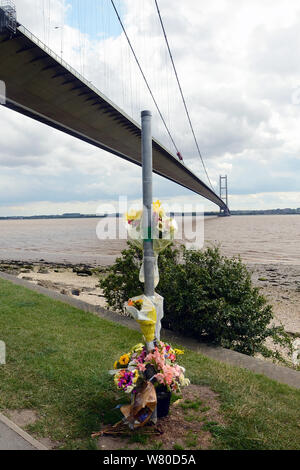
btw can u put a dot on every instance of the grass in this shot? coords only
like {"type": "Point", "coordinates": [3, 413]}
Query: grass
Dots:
{"type": "Point", "coordinates": [57, 363]}
{"type": "Point", "coordinates": [188, 404]}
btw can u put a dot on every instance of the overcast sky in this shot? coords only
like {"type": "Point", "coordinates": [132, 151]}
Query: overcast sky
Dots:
{"type": "Point", "coordinates": [238, 61]}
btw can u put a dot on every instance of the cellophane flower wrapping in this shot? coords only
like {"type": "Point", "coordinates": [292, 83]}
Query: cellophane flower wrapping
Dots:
{"type": "Point", "coordinates": [142, 406]}
{"type": "Point", "coordinates": [144, 312]}
{"type": "Point", "coordinates": [163, 230]}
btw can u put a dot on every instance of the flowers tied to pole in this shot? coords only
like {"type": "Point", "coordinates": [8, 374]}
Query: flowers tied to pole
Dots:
{"type": "Point", "coordinates": [153, 364]}
{"type": "Point", "coordinates": [162, 232]}
{"type": "Point", "coordinates": [163, 361]}
{"type": "Point", "coordinates": [133, 377]}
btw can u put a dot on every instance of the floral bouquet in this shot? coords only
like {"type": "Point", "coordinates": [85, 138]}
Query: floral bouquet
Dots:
{"type": "Point", "coordinates": [127, 380]}
{"type": "Point", "coordinates": [167, 372]}
{"type": "Point", "coordinates": [160, 364]}
{"type": "Point", "coordinates": [163, 229]}
{"type": "Point", "coordinates": [140, 373]}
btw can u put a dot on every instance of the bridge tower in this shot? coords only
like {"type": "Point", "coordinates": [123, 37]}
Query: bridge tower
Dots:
{"type": "Point", "coordinates": [8, 16]}
{"type": "Point", "coordinates": [224, 195]}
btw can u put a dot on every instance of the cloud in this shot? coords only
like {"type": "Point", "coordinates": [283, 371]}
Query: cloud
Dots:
{"type": "Point", "coordinates": [238, 65]}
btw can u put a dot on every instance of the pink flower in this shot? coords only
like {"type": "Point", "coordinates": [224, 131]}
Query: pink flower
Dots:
{"type": "Point", "coordinates": [160, 378]}
{"type": "Point", "coordinates": [156, 358]}
{"type": "Point", "coordinates": [177, 370]}
{"type": "Point", "coordinates": [141, 366]}
{"type": "Point", "coordinates": [168, 374]}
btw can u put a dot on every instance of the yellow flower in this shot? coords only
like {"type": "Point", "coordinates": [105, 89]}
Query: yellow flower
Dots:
{"type": "Point", "coordinates": [178, 352]}
{"type": "Point", "coordinates": [116, 379]}
{"type": "Point", "coordinates": [136, 349]}
{"type": "Point", "coordinates": [136, 376]}
{"type": "Point", "coordinates": [156, 206]}
{"type": "Point", "coordinates": [158, 209]}
{"type": "Point", "coordinates": [116, 365]}
{"type": "Point", "coordinates": [124, 360]}
{"type": "Point", "coordinates": [133, 214]}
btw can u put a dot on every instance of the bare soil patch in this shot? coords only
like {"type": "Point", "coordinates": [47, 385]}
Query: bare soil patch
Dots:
{"type": "Point", "coordinates": [184, 427]}
{"type": "Point", "coordinates": [22, 418]}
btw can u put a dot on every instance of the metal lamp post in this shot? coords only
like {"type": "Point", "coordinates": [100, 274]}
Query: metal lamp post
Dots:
{"type": "Point", "coordinates": [147, 203]}
{"type": "Point", "coordinates": [147, 215]}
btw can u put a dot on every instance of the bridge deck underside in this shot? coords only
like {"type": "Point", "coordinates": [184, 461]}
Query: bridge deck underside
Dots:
{"type": "Point", "coordinates": [40, 87]}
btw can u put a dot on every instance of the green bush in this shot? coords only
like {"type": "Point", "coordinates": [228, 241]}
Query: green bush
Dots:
{"type": "Point", "coordinates": [207, 296]}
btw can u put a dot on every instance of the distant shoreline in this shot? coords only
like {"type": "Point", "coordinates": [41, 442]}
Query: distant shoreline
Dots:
{"type": "Point", "coordinates": [286, 211]}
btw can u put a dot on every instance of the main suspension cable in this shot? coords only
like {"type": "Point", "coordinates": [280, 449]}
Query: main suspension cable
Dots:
{"type": "Point", "coordinates": [181, 92]}
{"type": "Point", "coordinates": [143, 75]}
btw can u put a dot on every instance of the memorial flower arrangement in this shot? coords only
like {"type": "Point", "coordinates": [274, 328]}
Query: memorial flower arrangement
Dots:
{"type": "Point", "coordinates": [149, 371]}
{"type": "Point", "coordinates": [126, 380]}
{"type": "Point", "coordinates": [163, 230]}
{"type": "Point", "coordinates": [138, 304]}
{"type": "Point", "coordinates": [163, 227]}
{"type": "Point", "coordinates": [133, 369]}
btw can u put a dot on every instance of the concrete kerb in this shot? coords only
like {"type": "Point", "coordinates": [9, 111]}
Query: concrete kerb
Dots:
{"type": "Point", "coordinates": [14, 438]}
{"type": "Point", "coordinates": [99, 311]}
{"type": "Point", "coordinates": [275, 372]}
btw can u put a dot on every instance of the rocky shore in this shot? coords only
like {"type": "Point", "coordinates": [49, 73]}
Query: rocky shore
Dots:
{"type": "Point", "coordinates": [278, 282]}
{"type": "Point", "coordinates": [80, 280]}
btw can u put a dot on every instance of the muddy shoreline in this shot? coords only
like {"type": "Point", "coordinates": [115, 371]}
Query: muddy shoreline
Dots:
{"type": "Point", "coordinates": [278, 282]}
{"type": "Point", "coordinates": [77, 280]}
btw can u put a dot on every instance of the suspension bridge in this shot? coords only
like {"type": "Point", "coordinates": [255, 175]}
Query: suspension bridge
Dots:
{"type": "Point", "coordinates": [41, 85]}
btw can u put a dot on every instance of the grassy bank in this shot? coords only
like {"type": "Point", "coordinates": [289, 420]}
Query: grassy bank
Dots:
{"type": "Point", "coordinates": [57, 363]}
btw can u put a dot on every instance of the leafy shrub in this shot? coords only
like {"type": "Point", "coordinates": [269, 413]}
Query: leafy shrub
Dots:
{"type": "Point", "coordinates": [122, 283]}
{"type": "Point", "coordinates": [207, 296]}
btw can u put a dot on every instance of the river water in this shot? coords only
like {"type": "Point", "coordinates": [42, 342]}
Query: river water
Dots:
{"type": "Point", "coordinates": [258, 239]}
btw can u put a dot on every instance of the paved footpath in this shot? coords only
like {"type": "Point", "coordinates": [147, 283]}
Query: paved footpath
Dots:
{"type": "Point", "coordinates": [14, 438]}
